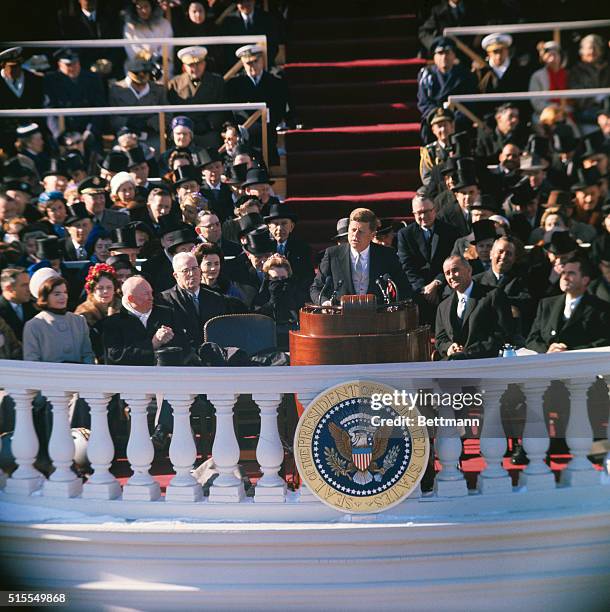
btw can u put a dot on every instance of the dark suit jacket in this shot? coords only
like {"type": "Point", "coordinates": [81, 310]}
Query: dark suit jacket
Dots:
{"type": "Point", "coordinates": [263, 23]}
{"type": "Point", "coordinates": [113, 219]}
{"type": "Point", "coordinates": [600, 288]}
{"type": "Point", "coordinates": [452, 215]}
{"type": "Point", "coordinates": [420, 264]}
{"type": "Point", "coordinates": [298, 253]}
{"type": "Point", "coordinates": [220, 200]}
{"type": "Point", "coordinates": [589, 325]}
{"type": "Point", "coordinates": [159, 273]}
{"type": "Point", "coordinates": [128, 342]}
{"type": "Point", "coordinates": [255, 292]}
{"type": "Point", "coordinates": [485, 327]}
{"type": "Point", "coordinates": [191, 322]}
{"type": "Point", "coordinates": [13, 321]}
{"type": "Point", "coordinates": [336, 264]}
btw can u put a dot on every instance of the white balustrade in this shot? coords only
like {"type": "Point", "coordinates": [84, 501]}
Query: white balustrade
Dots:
{"type": "Point", "coordinates": [100, 450]}
{"type": "Point", "coordinates": [140, 452]}
{"type": "Point", "coordinates": [225, 451]}
{"type": "Point", "coordinates": [449, 481]}
{"type": "Point", "coordinates": [63, 482]}
{"type": "Point", "coordinates": [493, 479]}
{"type": "Point", "coordinates": [3, 479]}
{"type": "Point", "coordinates": [305, 494]}
{"type": "Point", "coordinates": [269, 450]}
{"type": "Point", "coordinates": [579, 434]}
{"type": "Point", "coordinates": [26, 478]}
{"type": "Point", "coordinates": [537, 475]}
{"type": "Point", "coordinates": [182, 452]}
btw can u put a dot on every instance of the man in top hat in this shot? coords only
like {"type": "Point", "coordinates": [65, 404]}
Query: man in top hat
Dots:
{"type": "Point", "coordinates": [439, 81]}
{"type": "Point", "coordinates": [258, 185]}
{"type": "Point", "coordinates": [509, 128]}
{"type": "Point", "coordinates": [78, 225]}
{"type": "Point", "coordinates": [71, 87]}
{"type": "Point", "coordinates": [484, 235]}
{"type": "Point", "coordinates": [55, 178]}
{"type": "Point", "coordinates": [139, 168]}
{"type": "Point", "coordinates": [217, 193]}
{"type": "Point", "coordinates": [526, 210]}
{"type": "Point", "coordinates": [18, 89]}
{"type": "Point", "coordinates": [482, 208]}
{"type": "Point", "coordinates": [355, 267]}
{"type": "Point", "coordinates": [474, 321]}
{"type": "Point", "coordinates": [465, 189]}
{"type": "Point", "coordinates": [124, 243]}
{"type": "Point", "coordinates": [50, 251]}
{"type": "Point", "coordinates": [196, 85]}
{"type": "Point", "coordinates": [93, 193]}
{"type": "Point", "coordinates": [258, 85]}
{"type": "Point", "coordinates": [281, 222]}
{"type": "Point", "coordinates": [574, 319]}
{"type": "Point", "coordinates": [187, 179]}
{"type": "Point", "coordinates": [16, 306]}
{"type": "Point", "coordinates": [138, 89]}
{"type": "Point", "coordinates": [587, 196]}
{"type": "Point", "coordinates": [442, 124]}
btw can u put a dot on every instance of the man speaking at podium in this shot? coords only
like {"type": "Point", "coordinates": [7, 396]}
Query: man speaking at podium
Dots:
{"type": "Point", "coordinates": [357, 268]}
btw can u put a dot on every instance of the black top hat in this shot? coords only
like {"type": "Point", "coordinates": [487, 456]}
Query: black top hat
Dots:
{"type": "Point", "coordinates": [279, 210]}
{"type": "Point", "coordinates": [49, 248]}
{"type": "Point", "coordinates": [184, 174]}
{"type": "Point", "coordinates": [464, 177]}
{"type": "Point", "coordinates": [18, 186]}
{"type": "Point", "coordinates": [237, 174]}
{"type": "Point", "coordinates": [522, 193]}
{"type": "Point", "coordinates": [208, 156]}
{"type": "Point", "coordinates": [115, 161]}
{"type": "Point", "coordinates": [385, 228]}
{"type": "Point", "coordinates": [586, 177]}
{"type": "Point", "coordinates": [135, 157]}
{"type": "Point", "coordinates": [57, 167]}
{"type": "Point", "coordinates": [169, 356]}
{"type": "Point", "coordinates": [259, 242]}
{"type": "Point", "coordinates": [143, 227]}
{"type": "Point", "coordinates": [450, 166]}
{"type": "Point", "coordinates": [257, 176]}
{"type": "Point", "coordinates": [77, 212]}
{"type": "Point", "coordinates": [483, 230]}
{"type": "Point", "coordinates": [460, 144]}
{"type": "Point", "coordinates": [486, 202]}
{"type": "Point", "coordinates": [75, 161]}
{"type": "Point", "coordinates": [185, 235]}
{"type": "Point", "coordinates": [564, 140]}
{"type": "Point", "coordinates": [123, 238]}
{"type": "Point", "coordinates": [342, 228]}
{"type": "Point", "coordinates": [169, 223]}
{"type": "Point", "coordinates": [538, 145]}
{"type": "Point", "coordinates": [120, 262]}
{"type": "Point", "coordinates": [249, 223]}
{"type": "Point", "coordinates": [562, 243]}
{"type": "Point", "coordinates": [592, 144]}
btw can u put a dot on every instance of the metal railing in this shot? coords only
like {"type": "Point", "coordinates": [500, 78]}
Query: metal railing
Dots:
{"type": "Point", "coordinates": [259, 108]}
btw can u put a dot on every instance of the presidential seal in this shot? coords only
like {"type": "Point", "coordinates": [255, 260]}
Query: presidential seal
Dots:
{"type": "Point", "coordinates": [356, 458]}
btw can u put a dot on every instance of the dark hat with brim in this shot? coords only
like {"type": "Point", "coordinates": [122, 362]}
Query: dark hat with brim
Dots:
{"type": "Point", "coordinates": [92, 184]}
{"type": "Point", "coordinates": [75, 161]}
{"type": "Point", "coordinates": [58, 167]}
{"type": "Point", "coordinates": [169, 356]}
{"type": "Point", "coordinates": [123, 238]}
{"type": "Point", "coordinates": [208, 156]}
{"type": "Point", "coordinates": [593, 144]}
{"type": "Point", "coordinates": [257, 176]}
{"type": "Point", "coordinates": [280, 210]}
{"type": "Point", "coordinates": [186, 174]}
{"type": "Point", "coordinates": [586, 177]}
{"type": "Point", "coordinates": [14, 54]}
{"type": "Point", "coordinates": [460, 143]}
{"type": "Point", "coordinates": [465, 177]}
{"type": "Point", "coordinates": [77, 212]}
{"type": "Point", "coordinates": [185, 235]}
{"type": "Point", "coordinates": [115, 161]}
{"type": "Point", "coordinates": [249, 223]}
{"type": "Point", "coordinates": [342, 228]}
{"type": "Point", "coordinates": [259, 242]}
{"type": "Point", "coordinates": [49, 248]}
{"type": "Point", "coordinates": [237, 174]}
{"type": "Point", "coordinates": [439, 115]}
{"type": "Point", "coordinates": [442, 43]}
{"type": "Point", "coordinates": [18, 186]}
{"type": "Point", "coordinates": [120, 262]}
{"type": "Point", "coordinates": [484, 229]}
{"type": "Point", "coordinates": [135, 157]}
{"type": "Point", "coordinates": [522, 193]}
{"type": "Point", "coordinates": [14, 170]}
{"type": "Point", "coordinates": [564, 140]}
{"type": "Point", "coordinates": [562, 199]}
{"type": "Point", "coordinates": [561, 243]}
{"type": "Point", "coordinates": [141, 226]}
{"type": "Point", "coordinates": [485, 202]}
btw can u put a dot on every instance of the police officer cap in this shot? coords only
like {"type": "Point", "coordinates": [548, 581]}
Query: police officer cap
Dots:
{"type": "Point", "coordinates": [443, 43]}
{"type": "Point", "coordinates": [92, 184]}
{"type": "Point", "coordinates": [66, 55]}
{"type": "Point", "coordinates": [441, 114]}
{"type": "Point", "coordinates": [496, 41]}
{"type": "Point", "coordinates": [249, 51]}
{"type": "Point", "coordinates": [192, 55]}
{"type": "Point", "coordinates": [14, 54]}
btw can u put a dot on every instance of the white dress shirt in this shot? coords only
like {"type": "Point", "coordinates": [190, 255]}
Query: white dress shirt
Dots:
{"type": "Point", "coordinates": [501, 69]}
{"type": "Point", "coordinates": [143, 317]}
{"type": "Point", "coordinates": [16, 86]}
{"type": "Point", "coordinates": [361, 282]}
{"type": "Point", "coordinates": [138, 94]}
{"type": "Point", "coordinates": [570, 306]}
{"type": "Point", "coordinates": [463, 300]}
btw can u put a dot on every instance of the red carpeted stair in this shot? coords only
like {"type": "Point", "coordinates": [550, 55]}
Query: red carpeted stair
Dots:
{"type": "Point", "coordinates": [352, 73]}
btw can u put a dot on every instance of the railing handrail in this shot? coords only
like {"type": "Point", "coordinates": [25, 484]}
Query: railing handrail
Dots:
{"type": "Point", "coordinates": [519, 28]}
{"type": "Point", "coordinates": [530, 95]}
{"type": "Point", "coordinates": [120, 379]}
{"type": "Point", "coordinates": [121, 42]}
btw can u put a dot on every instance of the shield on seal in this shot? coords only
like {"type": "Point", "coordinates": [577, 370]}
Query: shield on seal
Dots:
{"type": "Point", "coordinates": [362, 457]}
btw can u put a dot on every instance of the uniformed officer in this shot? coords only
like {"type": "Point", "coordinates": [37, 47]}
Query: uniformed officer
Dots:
{"type": "Point", "coordinates": [441, 80]}
{"type": "Point", "coordinates": [442, 124]}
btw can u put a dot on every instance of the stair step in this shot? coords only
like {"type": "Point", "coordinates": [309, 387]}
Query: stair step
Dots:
{"type": "Point", "coordinates": [351, 48]}
{"type": "Point", "coordinates": [352, 137]}
{"type": "Point", "coordinates": [359, 182]}
{"type": "Point", "coordinates": [388, 158]}
{"type": "Point", "coordinates": [358, 114]}
{"type": "Point", "coordinates": [353, 27]}
{"type": "Point", "coordinates": [356, 93]}
{"type": "Point", "coordinates": [355, 71]}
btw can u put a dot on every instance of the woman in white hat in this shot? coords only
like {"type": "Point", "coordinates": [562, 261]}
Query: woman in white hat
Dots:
{"type": "Point", "coordinates": [552, 76]}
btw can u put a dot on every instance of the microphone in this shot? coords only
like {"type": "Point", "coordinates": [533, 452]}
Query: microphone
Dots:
{"type": "Point", "coordinates": [327, 284]}
{"type": "Point", "coordinates": [384, 293]}
{"type": "Point", "coordinates": [391, 284]}
{"type": "Point", "coordinates": [334, 293]}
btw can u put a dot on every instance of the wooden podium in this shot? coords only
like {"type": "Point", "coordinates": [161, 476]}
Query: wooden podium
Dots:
{"type": "Point", "coordinates": [359, 331]}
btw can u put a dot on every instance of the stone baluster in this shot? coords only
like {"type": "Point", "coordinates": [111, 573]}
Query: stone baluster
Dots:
{"type": "Point", "coordinates": [537, 475]}
{"type": "Point", "coordinates": [26, 478]}
{"type": "Point", "coordinates": [140, 452]}
{"type": "Point", "coordinates": [305, 494]}
{"type": "Point", "coordinates": [100, 451]}
{"type": "Point", "coordinates": [182, 451]}
{"type": "Point", "coordinates": [63, 482]}
{"type": "Point", "coordinates": [449, 482]}
{"type": "Point", "coordinates": [579, 436]}
{"type": "Point", "coordinates": [269, 450]}
{"type": "Point", "coordinates": [494, 478]}
{"type": "Point", "coordinates": [227, 487]}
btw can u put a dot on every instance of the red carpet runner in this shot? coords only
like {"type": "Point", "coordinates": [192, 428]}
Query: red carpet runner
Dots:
{"type": "Point", "coordinates": [352, 77]}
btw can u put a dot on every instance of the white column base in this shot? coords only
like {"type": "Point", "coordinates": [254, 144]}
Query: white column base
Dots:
{"type": "Point", "coordinates": [23, 486]}
{"type": "Point", "coordinates": [495, 486]}
{"type": "Point", "coordinates": [306, 496]}
{"type": "Point", "coordinates": [227, 494]}
{"type": "Point", "coordinates": [105, 490]}
{"type": "Point", "coordinates": [450, 488]}
{"type": "Point", "coordinates": [270, 494]}
{"type": "Point", "coordinates": [189, 493]}
{"type": "Point", "coordinates": [147, 492]}
{"type": "Point", "coordinates": [66, 488]}
{"type": "Point", "coordinates": [579, 478]}
{"type": "Point", "coordinates": [537, 482]}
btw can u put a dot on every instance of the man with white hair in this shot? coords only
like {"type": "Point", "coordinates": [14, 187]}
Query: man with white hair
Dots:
{"type": "Point", "coordinates": [192, 304]}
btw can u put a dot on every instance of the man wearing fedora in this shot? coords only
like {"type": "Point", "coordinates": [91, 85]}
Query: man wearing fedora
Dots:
{"type": "Point", "coordinates": [217, 193]}
{"type": "Point", "coordinates": [196, 85]}
{"type": "Point", "coordinates": [574, 319]}
{"type": "Point", "coordinates": [356, 267]}
{"type": "Point", "coordinates": [258, 185]}
{"type": "Point", "coordinates": [281, 222]}
{"type": "Point", "coordinates": [93, 192]}
{"type": "Point", "coordinates": [526, 213]}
